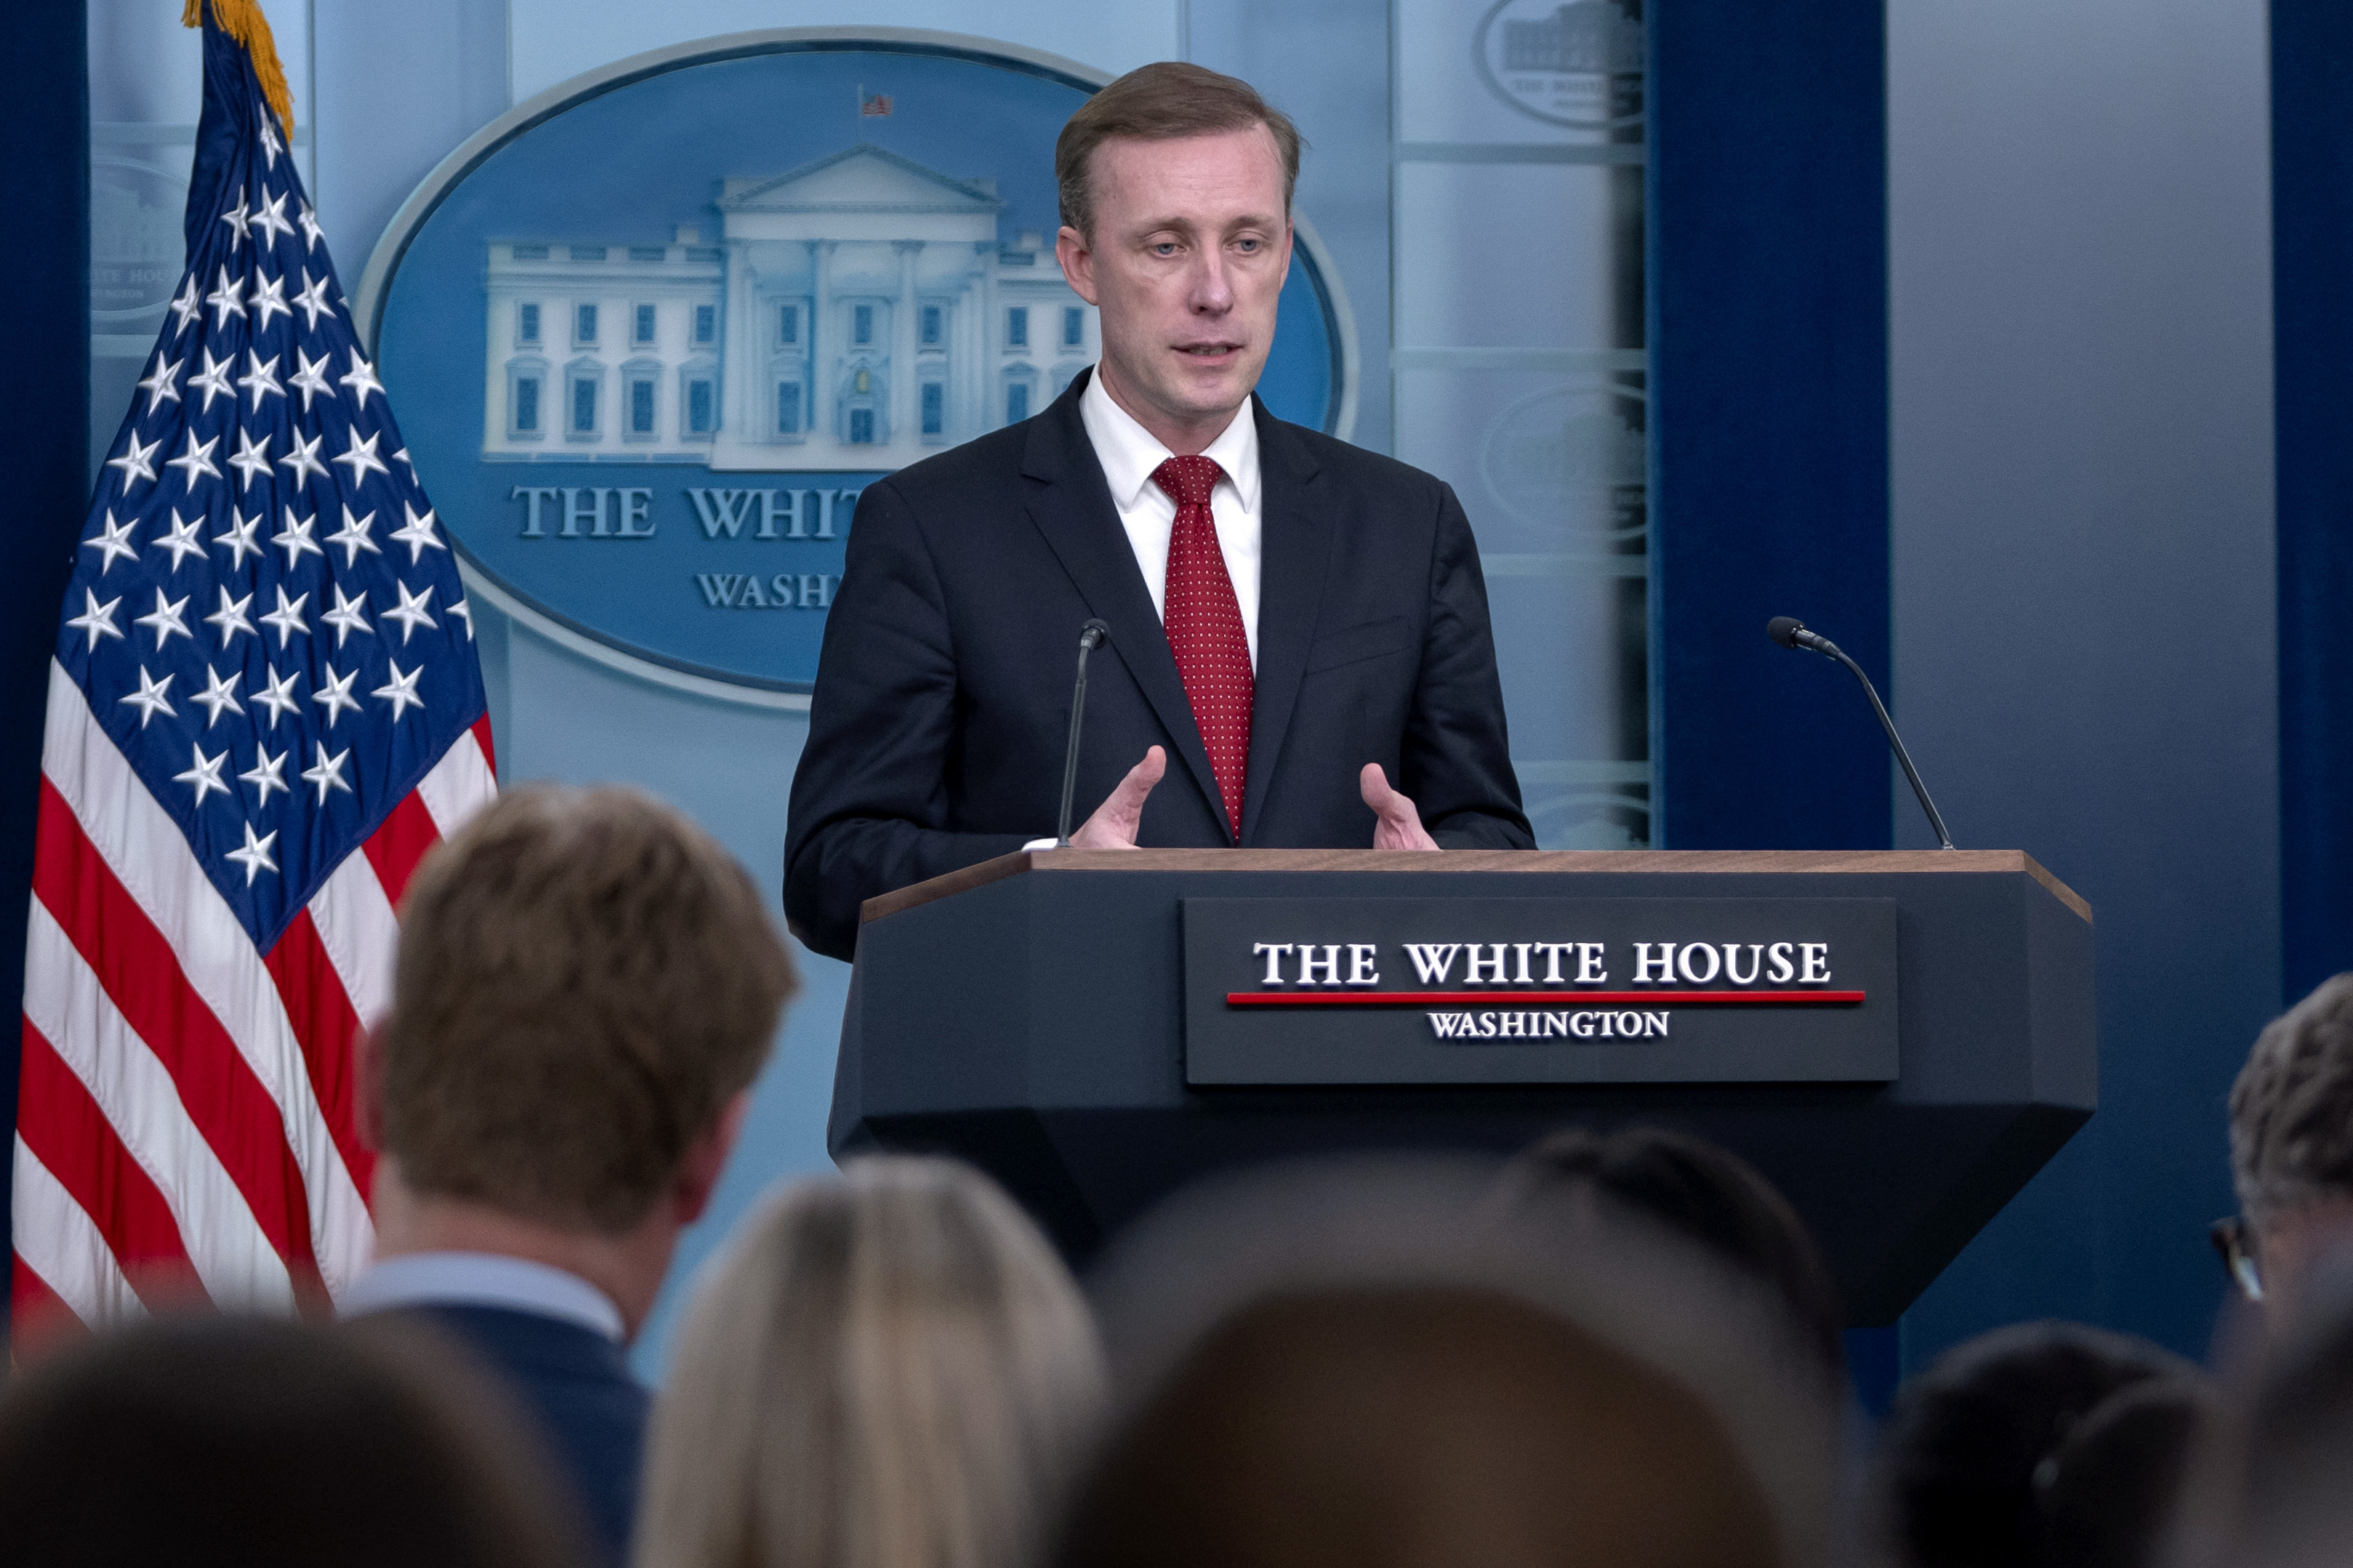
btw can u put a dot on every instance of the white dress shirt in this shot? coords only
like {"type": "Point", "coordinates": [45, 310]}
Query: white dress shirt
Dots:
{"type": "Point", "coordinates": [481, 1280]}
{"type": "Point", "coordinates": [1129, 454]}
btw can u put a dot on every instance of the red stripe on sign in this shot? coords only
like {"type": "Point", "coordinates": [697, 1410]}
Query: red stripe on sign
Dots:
{"type": "Point", "coordinates": [1539, 998]}
{"type": "Point", "coordinates": [39, 1320]}
{"type": "Point", "coordinates": [396, 846]}
{"type": "Point", "coordinates": [65, 1129]}
{"type": "Point", "coordinates": [142, 975]}
{"type": "Point", "coordinates": [325, 1023]}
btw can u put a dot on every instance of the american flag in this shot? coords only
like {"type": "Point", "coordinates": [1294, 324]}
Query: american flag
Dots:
{"type": "Point", "coordinates": [265, 708]}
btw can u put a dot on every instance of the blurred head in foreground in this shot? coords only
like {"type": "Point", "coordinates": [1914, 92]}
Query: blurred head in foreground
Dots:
{"type": "Point", "coordinates": [1705, 1193]}
{"type": "Point", "coordinates": [248, 1443]}
{"type": "Point", "coordinates": [1373, 1365]}
{"type": "Point", "coordinates": [587, 985]}
{"type": "Point", "coordinates": [2042, 1443]}
{"type": "Point", "coordinates": [2279, 1493]}
{"type": "Point", "coordinates": [889, 1370]}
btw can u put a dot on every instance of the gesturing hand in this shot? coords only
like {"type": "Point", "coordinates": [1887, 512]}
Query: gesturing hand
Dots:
{"type": "Point", "coordinates": [1400, 825]}
{"type": "Point", "coordinates": [1113, 824]}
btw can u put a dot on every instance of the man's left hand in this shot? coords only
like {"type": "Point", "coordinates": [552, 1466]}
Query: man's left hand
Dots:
{"type": "Point", "coordinates": [1400, 825]}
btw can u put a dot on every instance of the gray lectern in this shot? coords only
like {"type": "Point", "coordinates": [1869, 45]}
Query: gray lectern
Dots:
{"type": "Point", "coordinates": [1898, 1039]}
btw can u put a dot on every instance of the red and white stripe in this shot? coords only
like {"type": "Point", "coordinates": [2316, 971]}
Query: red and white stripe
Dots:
{"type": "Point", "coordinates": [187, 1128]}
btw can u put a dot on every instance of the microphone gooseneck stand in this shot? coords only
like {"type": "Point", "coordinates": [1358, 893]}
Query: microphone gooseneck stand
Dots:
{"type": "Point", "coordinates": [1791, 633]}
{"type": "Point", "coordinates": [1091, 636]}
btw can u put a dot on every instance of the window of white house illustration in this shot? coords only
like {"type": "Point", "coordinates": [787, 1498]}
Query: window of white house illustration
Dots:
{"type": "Point", "coordinates": [1016, 327]}
{"type": "Point", "coordinates": [583, 324]}
{"type": "Point", "coordinates": [706, 323]}
{"type": "Point", "coordinates": [522, 400]}
{"type": "Point", "coordinates": [527, 323]}
{"type": "Point", "coordinates": [788, 409]}
{"type": "Point", "coordinates": [580, 421]}
{"type": "Point", "coordinates": [934, 408]}
{"type": "Point", "coordinates": [931, 332]}
{"type": "Point", "coordinates": [861, 426]}
{"type": "Point", "coordinates": [789, 324]}
{"type": "Point", "coordinates": [645, 325]}
{"type": "Point", "coordinates": [701, 400]}
{"type": "Point", "coordinates": [1074, 326]}
{"type": "Point", "coordinates": [1017, 402]}
{"type": "Point", "coordinates": [862, 324]}
{"type": "Point", "coordinates": [641, 404]}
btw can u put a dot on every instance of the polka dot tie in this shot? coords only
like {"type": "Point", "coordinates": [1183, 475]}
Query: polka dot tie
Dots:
{"type": "Point", "coordinates": [1205, 627]}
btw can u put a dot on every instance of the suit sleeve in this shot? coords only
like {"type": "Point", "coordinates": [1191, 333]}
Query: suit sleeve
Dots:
{"type": "Point", "coordinates": [1456, 763]}
{"type": "Point", "coordinates": [869, 801]}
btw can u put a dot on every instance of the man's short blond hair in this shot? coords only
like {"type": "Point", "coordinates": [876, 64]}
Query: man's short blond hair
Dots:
{"type": "Point", "coordinates": [586, 979]}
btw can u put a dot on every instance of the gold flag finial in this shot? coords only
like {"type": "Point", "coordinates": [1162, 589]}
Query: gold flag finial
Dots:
{"type": "Point", "coordinates": [243, 20]}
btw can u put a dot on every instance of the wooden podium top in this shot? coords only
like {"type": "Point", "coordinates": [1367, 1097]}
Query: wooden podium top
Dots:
{"type": "Point", "coordinates": [1981, 862]}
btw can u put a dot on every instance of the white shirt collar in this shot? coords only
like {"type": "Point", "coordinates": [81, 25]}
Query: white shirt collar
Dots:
{"type": "Point", "coordinates": [481, 1280]}
{"type": "Point", "coordinates": [1130, 454]}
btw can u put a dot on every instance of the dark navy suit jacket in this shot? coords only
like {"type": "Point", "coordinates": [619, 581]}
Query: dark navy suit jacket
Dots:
{"type": "Point", "coordinates": [577, 1385]}
{"type": "Point", "coordinates": [942, 697]}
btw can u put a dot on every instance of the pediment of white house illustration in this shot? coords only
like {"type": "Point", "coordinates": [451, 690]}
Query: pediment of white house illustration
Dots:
{"type": "Point", "coordinates": [861, 179]}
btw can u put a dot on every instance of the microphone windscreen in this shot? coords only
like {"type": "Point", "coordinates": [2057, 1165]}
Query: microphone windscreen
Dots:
{"type": "Point", "coordinates": [1784, 629]}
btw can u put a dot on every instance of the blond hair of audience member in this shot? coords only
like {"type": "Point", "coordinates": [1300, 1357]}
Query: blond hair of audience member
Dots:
{"type": "Point", "coordinates": [890, 1371]}
{"type": "Point", "coordinates": [2292, 1140]}
{"type": "Point", "coordinates": [587, 984]}
{"type": "Point", "coordinates": [1370, 1364]}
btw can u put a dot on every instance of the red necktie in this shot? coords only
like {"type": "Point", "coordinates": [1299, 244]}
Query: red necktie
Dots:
{"type": "Point", "coordinates": [1205, 627]}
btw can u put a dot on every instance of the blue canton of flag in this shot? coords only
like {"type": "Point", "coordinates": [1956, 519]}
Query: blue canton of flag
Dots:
{"type": "Point", "coordinates": [265, 615]}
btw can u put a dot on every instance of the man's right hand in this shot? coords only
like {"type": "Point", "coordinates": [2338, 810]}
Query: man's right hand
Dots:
{"type": "Point", "coordinates": [1113, 824]}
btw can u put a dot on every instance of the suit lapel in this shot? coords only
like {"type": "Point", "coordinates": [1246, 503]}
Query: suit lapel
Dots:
{"type": "Point", "coordinates": [1295, 539]}
{"type": "Point", "coordinates": [1071, 505]}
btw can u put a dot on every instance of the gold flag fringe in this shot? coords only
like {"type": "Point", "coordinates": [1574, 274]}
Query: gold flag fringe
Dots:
{"type": "Point", "coordinates": [243, 20]}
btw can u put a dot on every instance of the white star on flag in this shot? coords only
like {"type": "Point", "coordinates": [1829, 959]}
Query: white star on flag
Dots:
{"type": "Point", "coordinates": [112, 540]}
{"type": "Point", "coordinates": [260, 378]}
{"type": "Point", "coordinates": [327, 772]}
{"type": "Point", "coordinates": [361, 456]}
{"type": "Point", "coordinates": [334, 694]}
{"type": "Point", "coordinates": [181, 539]}
{"type": "Point", "coordinates": [230, 617]}
{"type": "Point", "coordinates": [163, 382]}
{"type": "Point", "coordinates": [267, 773]}
{"type": "Point", "coordinates": [165, 618]}
{"type": "Point", "coordinates": [135, 461]}
{"type": "Point", "coordinates": [213, 380]}
{"type": "Point", "coordinates": [204, 773]}
{"type": "Point", "coordinates": [361, 381]}
{"type": "Point", "coordinates": [239, 537]}
{"type": "Point", "coordinates": [287, 619]}
{"type": "Point", "coordinates": [353, 536]}
{"type": "Point", "coordinates": [97, 619]}
{"type": "Point", "coordinates": [304, 460]}
{"type": "Point", "coordinates": [276, 694]}
{"type": "Point", "coordinates": [219, 694]}
{"type": "Point", "coordinates": [251, 459]}
{"type": "Point", "coordinates": [255, 856]}
{"type": "Point", "coordinates": [149, 699]}
{"type": "Point", "coordinates": [349, 616]}
{"type": "Point", "coordinates": [226, 300]}
{"type": "Point", "coordinates": [417, 533]}
{"type": "Point", "coordinates": [401, 690]}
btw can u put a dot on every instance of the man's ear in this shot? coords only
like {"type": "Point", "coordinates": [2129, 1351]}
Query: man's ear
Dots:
{"type": "Point", "coordinates": [1077, 259]}
{"type": "Point", "coordinates": [706, 1158]}
{"type": "Point", "coordinates": [367, 1103]}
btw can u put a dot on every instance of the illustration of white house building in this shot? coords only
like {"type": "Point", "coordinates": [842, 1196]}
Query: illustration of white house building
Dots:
{"type": "Point", "coordinates": [857, 313]}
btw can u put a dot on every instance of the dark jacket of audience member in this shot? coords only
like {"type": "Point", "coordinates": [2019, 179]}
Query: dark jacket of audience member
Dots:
{"type": "Point", "coordinates": [1707, 1195]}
{"type": "Point", "coordinates": [220, 1443]}
{"type": "Point", "coordinates": [2279, 1492]}
{"type": "Point", "coordinates": [587, 985]}
{"type": "Point", "coordinates": [2040, 1444]}
{"type": "Point", "coordinates": [889, 1370]}
{"type": "Point", "coordinates": [1375, 1365]}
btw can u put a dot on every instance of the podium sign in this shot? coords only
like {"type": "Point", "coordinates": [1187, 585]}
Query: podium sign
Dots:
{"type": "Point", "coordinates": [1538, 990]}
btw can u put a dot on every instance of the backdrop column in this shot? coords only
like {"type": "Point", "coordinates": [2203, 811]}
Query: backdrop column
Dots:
{"type": "Point", "coordinates": [44, 439]}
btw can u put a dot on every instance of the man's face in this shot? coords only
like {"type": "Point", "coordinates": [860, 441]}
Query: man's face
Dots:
{"type": "Point", "coordinates": [1191, 245]}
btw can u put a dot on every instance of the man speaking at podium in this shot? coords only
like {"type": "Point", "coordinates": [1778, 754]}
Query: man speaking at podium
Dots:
{"type": "Point", "coordinates": [1300, 624]}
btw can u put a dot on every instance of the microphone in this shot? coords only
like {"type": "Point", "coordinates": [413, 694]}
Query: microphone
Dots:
{"type": "Point", "coordinates": [1091, 637]}
{"type": "Point", "coordinates": [1791, 633]}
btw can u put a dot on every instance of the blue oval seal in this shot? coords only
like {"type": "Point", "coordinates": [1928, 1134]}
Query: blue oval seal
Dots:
{"type": "Point", "coordinates": [653, 330]}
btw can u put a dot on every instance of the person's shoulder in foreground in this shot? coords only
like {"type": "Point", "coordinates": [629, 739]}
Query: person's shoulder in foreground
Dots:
{"type": "Point", "coordinates": [587, 984]}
